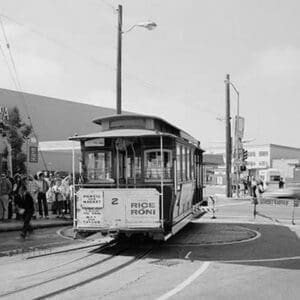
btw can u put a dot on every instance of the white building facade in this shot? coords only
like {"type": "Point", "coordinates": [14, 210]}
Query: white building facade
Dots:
{"type": "Point", "coordinates": [265, 156]}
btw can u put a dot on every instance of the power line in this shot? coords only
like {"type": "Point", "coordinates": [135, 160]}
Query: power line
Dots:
{"type": "Point", "coordinates": [107, 4]}
{"type": "Point", "coordinates": [8, 66]}
{"type": "Point", "coordinates": [19, 87]}
{"type": "Point", "coordinates": [147, 84]}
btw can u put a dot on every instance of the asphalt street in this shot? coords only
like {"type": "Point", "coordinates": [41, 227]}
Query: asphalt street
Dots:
{"type": "Point", "coordinates": [41, 240]}
{"type": "Point", "coordinates": [231, 257]}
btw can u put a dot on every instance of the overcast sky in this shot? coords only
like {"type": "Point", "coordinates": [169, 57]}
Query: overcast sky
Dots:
{"type": "Point", "coordinates": [67, 49]}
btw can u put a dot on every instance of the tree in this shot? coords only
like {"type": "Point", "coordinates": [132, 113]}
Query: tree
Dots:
{"type": "Point", "coordinates": [17, 132]}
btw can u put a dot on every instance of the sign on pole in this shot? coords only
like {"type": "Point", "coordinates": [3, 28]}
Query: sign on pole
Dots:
{"type": "Point", "coordinates": [33, 154]}
{"type": "Point", "coordinates": [239, 127]}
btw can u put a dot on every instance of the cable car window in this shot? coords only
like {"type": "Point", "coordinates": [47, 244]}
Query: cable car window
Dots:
{"type": "Point", "coordinates": [98, 166]}
{"type": "Point", "coordinates": [178, 162]}
{"type": "Point", "coordinates": [192, 157]}
{"type": "Point", "coordinates": [153, 164]}
{"type": "Point", "coordinates": [188, 163]}
{"type": "Point", "coordinates": [134, 167]}
{"type": "Point", "coordinates": [183, 163]}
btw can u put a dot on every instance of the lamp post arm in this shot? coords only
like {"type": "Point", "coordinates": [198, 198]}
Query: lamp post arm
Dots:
{"type": "Point", "coordinates": [133, 26]}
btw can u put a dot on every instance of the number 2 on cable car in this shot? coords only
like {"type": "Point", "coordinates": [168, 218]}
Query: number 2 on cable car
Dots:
{"type": "Point", "coordinates": [114, 201]}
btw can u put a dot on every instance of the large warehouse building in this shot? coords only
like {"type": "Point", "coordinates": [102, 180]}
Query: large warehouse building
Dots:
{"type": "Point", "coordinates": [53, 120]}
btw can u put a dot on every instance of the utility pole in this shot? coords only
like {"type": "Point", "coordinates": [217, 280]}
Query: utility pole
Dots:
{"type": "Point", "coordinates": [119, 61]}
{"type": "Point", "coordinates": [228, 139]}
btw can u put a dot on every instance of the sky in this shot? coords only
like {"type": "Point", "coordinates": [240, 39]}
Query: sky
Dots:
{"type": "Point", "coordinates": [67, 49]}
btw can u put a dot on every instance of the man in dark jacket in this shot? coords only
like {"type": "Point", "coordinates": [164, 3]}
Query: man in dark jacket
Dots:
{"type": "Point", "coordinates": [27, 204]}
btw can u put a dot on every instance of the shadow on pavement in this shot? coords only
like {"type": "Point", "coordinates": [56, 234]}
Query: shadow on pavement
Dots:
{"type": "Point", "coordinates": [276, 243]}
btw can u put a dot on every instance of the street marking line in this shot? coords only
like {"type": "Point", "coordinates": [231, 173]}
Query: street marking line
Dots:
{"type": "Point", "coordinates": [59, 233]}
{"type": "Point", "coordinates": [257, 235]}
{"type": "Point", "coordinates": [258, 260]}
{"type": "Point", "coordinates": [185, 283]}
{"type": "Point", "coordinates": [188, 254]}
{"type": "Point", "coordinates": [232, 204]}
{"type": "Point", "coordinates": [267, 217]}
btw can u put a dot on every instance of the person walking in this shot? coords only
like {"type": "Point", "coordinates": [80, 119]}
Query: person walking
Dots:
{"type": "Point", "coordinates": [281, 183]}
{"type": "Point", "coordinates": [254, 189]}
{"type": "Point", "coordinates": [33, 188]}
{"type": "Point", "coordinates": [27, 205]}
{"type": "Point", "coordinates": [5, 190]}
{"type": "Point", "coordinates": [260, 188]}
{"type": "Point", "coordinates": [41, 197]}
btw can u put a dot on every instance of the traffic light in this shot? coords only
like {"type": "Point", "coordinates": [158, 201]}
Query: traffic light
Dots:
{"type": "Point", "coordinates": [245, 155]}
{"type": "Point", "coordinates": [243, 168]}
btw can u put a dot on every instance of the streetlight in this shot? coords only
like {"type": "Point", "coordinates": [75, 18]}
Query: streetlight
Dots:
{"type": "Point", "coordinates": [236, 136]}
{"type": "Point", "coordinates": [148, 25]}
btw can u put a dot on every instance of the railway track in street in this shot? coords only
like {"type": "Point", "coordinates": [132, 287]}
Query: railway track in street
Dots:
{"type": "Point", "coordinates": [77, 272]}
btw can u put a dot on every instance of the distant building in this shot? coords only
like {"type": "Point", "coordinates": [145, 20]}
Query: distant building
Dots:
{"type": "Point", "coordinates": [53, 120]}
{"type": "Point", "coordinates": [214, 169]}
{"type": "Point", "coordinates": [261, 157]}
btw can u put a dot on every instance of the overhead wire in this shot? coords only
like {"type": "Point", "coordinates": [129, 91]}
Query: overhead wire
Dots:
{"type": "Point", "coordinates": [76, 51]}
{"type": "Point", "coordinates": [106, 3]}
{"type": "Point", "coordinates": [19, 86]}
{"type": "Point", "coordinates": [8, 66]}
{"type": "Point", "coordinates": [146, 84]}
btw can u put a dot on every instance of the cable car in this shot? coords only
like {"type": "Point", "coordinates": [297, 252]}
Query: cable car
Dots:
{"type": "Point", "coordinates": [140, 175]}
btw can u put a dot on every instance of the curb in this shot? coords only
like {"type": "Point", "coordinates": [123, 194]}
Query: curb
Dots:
{"type": "Point", "coordinates": [233, 198]}
{"type": "Point", "coordinates": [17, 227]}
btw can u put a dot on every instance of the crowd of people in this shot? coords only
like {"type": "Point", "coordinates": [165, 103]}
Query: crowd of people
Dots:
{"type": "Point", "coordinates": [253, 187]}
{"type": "Point", "coordinates": [27, 197]}
{"type": "Point", "coordinates": [256, 187]}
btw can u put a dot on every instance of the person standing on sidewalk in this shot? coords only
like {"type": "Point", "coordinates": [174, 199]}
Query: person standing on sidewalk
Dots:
{"type": "Point", "coordinates": [59, 197]}
{"type": "Point", "coordinates": [42, 200]}
{"type": "Point", "coordinates": [5, 190]}
{"type": "Point", "coordinates": [27, 205]}
{"type": "Point", "coordinates": [16, 194]}
{"type": "Point", "coordinates": [33, 189]}
{"type": "Point", "coordinates": [254, 189]}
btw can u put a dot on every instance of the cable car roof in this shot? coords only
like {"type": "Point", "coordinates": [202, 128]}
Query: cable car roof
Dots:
{"type": "Point", "coordinates": [120, 133]}
{"type": "Point", "coordinates": [127, 116]}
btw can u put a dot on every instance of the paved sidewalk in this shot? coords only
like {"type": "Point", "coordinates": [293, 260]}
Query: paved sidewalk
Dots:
{"type": "Point", "coordinates": [15, 225]}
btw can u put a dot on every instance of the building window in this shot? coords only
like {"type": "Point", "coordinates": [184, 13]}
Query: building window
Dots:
{"type": "Point", "coordinates": [263, 163]}
{"type": "Point", "coordinates": [250, 163]}
{"type": "Point", "coordinates": [263, 153]}
{"type": "Point", "coordinates": [251, 153]}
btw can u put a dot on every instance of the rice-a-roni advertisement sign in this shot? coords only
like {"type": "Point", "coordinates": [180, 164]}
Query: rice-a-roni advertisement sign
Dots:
{"type": "Point", "coordinates": [118, 208]}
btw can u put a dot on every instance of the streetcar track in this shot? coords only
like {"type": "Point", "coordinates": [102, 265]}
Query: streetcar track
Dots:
{"type": "Point", "coordinates": [66, 250]}
{"type": "Point", "coordinates": [92, 252]}
{"type": "Point", "coordinates": [97, 277]}
{"type": "Point", "coordinates": [65, 275]}
{"type": "Point", "coordinates": [40, 247]}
